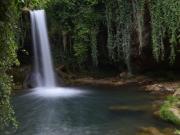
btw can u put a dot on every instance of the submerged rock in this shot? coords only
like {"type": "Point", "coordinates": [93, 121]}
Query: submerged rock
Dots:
{"type": "Point", "coordinates": [156, 114]}
{"type": "Point", "coordinates": [150, 131]}
{"type": "Point", "coordinates": [123, 108]}
{"type": "Point", "coordinates": [155, 131]}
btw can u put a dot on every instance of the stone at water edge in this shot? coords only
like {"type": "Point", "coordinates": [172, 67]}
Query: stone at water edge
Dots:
{"type": "Point", "coordinates": [177, 93]}
{"type": "Point", "coordinates": [159, 88]}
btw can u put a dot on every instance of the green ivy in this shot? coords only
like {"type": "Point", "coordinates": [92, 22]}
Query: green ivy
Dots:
{"type": "Point", "coordinates": [119, 23]}
{"type": "Point", "coordinates": [122, 17]}
{"type": "Point", "coordinates": [8, 58]}
{"type": "Point", "coordinates": [165, 16]}
{"type": "Point", "coordinates": [10, 11]}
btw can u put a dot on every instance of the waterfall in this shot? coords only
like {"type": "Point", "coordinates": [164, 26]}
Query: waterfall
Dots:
{"type": "Point", "coordinates": [43, 67]}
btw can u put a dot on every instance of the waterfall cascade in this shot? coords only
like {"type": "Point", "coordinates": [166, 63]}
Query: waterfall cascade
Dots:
{"type": "Point", "coordinates": [43, 66]}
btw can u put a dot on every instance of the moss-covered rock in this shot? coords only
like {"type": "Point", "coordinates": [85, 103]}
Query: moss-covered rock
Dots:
{"type": "Point", "coordinates": [177, 132]}
{"type": "Point", "coordinates": [170, 110]}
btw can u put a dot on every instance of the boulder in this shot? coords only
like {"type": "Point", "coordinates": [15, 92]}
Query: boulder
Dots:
{"type": "Point", "coordinates": [150, 131]}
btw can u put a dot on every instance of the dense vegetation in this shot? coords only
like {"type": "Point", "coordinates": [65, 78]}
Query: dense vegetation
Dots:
{"type": "Point", "coordinates": [10, 37]}
{"type": "Point", "coordinates": [8, 48]}
{"type": "Point", "coordinates": [88, 30]}
{"type": "Point", "coordinates": [87, 34]}
{"type": "Point", "coordinates": [76, 24]}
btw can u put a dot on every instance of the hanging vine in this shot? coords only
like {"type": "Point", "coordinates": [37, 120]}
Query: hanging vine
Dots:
{"type": "Point", "coordinates": [111, 17]}
{"type": "Point", "coordinates": [94, 51]}
{"type": "Point", "coordinates": [119, 24]}
{"type": "Point", "coordinates": [126, 21]}
{"type": "Point", "coordinates": [165, 17]}
{"type": "Point", "coordinates": [138, 13]}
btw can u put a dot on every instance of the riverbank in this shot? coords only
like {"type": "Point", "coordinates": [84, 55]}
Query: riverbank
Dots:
{"type": "Point", "coordinates": [151, 85]}
{"type": "Point", "coordinates": [164, 83]}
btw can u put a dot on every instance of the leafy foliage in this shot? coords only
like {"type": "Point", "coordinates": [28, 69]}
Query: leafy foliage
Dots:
{"type": "Point", "coordinates": [79, 20]}
{"type": "Point", "coordinates": [8, 58]}
{"type": "Point", "coordinates": [10, 11]}
{"type": "Point", "coordinates": [32, 4]}
{"type": "Point", "coordinates": [122, 17]}
{"type": "Point", "coordinates": [119, 23]}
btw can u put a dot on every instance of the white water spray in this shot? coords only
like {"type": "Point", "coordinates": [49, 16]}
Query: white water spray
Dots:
{"type": "Point", "coordinates": [43, 65]}
{"type": "Point", "coordinates": [42, 56]}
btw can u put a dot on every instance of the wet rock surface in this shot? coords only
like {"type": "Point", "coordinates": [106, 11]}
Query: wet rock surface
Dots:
{"type": "Point", "coordinates": [123, 108]}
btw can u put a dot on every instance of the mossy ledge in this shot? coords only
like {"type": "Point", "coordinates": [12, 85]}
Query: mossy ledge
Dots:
{"type": "Point", "coordinates": [170, 110]}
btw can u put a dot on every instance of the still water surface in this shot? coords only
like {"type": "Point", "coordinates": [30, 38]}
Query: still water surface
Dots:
{"type": "Point", "coordinates": [85, 114]}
